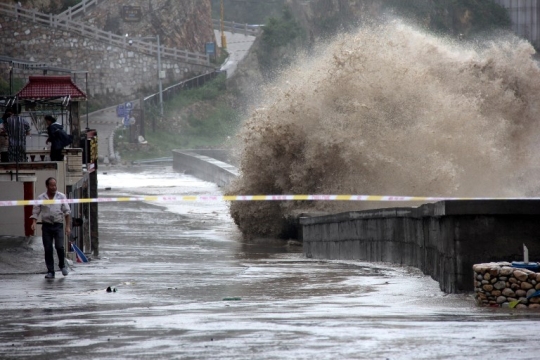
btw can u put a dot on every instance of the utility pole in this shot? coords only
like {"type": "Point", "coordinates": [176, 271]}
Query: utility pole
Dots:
{"type": "Point", "coordinates": [159, 77]}
{"type": "Point", "coordinates": [223, 38]}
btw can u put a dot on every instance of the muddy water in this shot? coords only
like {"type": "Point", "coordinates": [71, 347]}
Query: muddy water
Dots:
{"type": "Point", "coordinates": [173, 266]}
{"type": "Point", "coordinates": [391, 110]}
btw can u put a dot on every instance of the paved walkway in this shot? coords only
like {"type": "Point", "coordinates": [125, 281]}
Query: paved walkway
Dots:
{"type": "Point", "coordinates": [238, 46]}
{"type": "Point", "coordinates": [188, 287]}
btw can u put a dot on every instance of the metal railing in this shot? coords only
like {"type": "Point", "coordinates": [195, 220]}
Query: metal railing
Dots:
{"type": "Point", "coordinates": [170, 91]}
{"type": "Point", "coordinates": [93, 33]}
{"type": "Point", "coordinates": [240, 28]}
{"type": "Point", "coordinates": [81, 7]}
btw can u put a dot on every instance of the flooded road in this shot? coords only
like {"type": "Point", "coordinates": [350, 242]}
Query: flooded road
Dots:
{"type": "Point", "coordinates": [188, 287]}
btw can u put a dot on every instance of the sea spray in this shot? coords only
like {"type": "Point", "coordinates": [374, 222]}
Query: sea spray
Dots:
{"type": "Point", "coordinates": [391, 110]}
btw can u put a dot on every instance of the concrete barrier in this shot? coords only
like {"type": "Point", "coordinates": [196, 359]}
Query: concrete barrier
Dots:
{"type": "Point", "coordinates": [204, 167]}
{"type": "Point", "coordinates": [444, 239]}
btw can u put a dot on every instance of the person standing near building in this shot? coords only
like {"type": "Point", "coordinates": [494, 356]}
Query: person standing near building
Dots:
{"type": "Point", "coordinates": [17, 130]}
{"type": "Point", "coordinates": [52, 217]}
{"type": "Point", "coordinates": [4, 143]}
{"type": "Point", "coordinates": [57, 138]}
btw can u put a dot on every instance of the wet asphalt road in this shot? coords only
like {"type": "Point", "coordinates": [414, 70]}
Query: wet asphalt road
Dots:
{"type": "Point", "coordinates": [188, 287]}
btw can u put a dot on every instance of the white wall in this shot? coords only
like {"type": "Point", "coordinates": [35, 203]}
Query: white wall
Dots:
{"type": "Point", "coordinates": [12, 217]}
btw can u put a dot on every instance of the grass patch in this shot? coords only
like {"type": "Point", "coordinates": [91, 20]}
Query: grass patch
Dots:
{"type": "Point", "coordinates": [207, 121]}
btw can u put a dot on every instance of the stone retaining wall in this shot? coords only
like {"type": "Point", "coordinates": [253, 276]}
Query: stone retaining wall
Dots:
{"type": "Point", "coordinates": [111, 70]}
{"type": "Point", "coordinates": [497, 284]}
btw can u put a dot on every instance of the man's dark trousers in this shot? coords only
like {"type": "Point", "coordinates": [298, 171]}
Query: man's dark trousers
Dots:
{"type": "Point", "coordinates": [53, 232]}
{"type": "Point", "coordinates": [56, 155]}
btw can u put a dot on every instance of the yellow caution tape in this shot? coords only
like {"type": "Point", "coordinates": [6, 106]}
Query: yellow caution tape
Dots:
{"type": "Point", "coordinates": [213, 198]}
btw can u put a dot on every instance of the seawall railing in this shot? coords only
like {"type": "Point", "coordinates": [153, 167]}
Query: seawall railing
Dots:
{"type": "Point", "coordinates": [444, 239]}
{"type": "Point", "coordinates": [204, 167]}
{"type": "Point", "coordinates": [54, 21]}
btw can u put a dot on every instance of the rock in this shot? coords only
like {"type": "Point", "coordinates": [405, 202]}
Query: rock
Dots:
{"type": "Point", "coordinates": [534, 300]}
{"type": "Point", "coordinates": [503, 278]}
{"type": "Point", "coordinates": [506, 271]}
{"type": "Point", "coordinates": [481, 268]}
{"type": "Point", "coordinates": [534, 306]}
{"type": "Point", "coordinates": [493, 280]}
{"type": "Point", "coordinates": [530, 292]}
{"type": "Point", "coordinates": [537, 287]}
{"type": "Point", "coordinates": [532, 276]}
{"type": "Point", "coordinates": [521, 293]}
{"type": "Point", "coordinates": [523, 300]}
{"type": "Point", "coordinates": [521, 275]}
{"type": "Point", "coordinates": [515, 286]}
{"type": "Point", "coordinates": [509, 292]}
{"type": "Point", "coordinates": [477, 284]}
{"type": "Point", "coordinates": [499, 285]}
{"type": "Point", "coordinates": [512, 280]}
{"type": "Point", "coordinates": [521, 306]}
{"type": "Point", "coordinates": [526, 286]}
{"type": "Point", "coordinates": [537, 277]}
{"type": "Point", "coordinates": [487, 276]}
{"type": "Point", "coordinates": [505, 305]}
{"type": "Point", "coordinates": [485, 282]}
{"type": "Point", "coordinates": [481, 296]}
{"type": "Point", "coordinates": [512, 299]}
{"type": "Point", "coordinates": [498, 292]}
{"type": "Point", "coordinates": [532, 282]}
{"type": "Point", "coordinates": [501, 299]}
{"type": "Point", "coordinates": [479, 277]}
{"type": "Point", "coordinates": [494, 271]}
{"type": "Point", "coordinates": [487, 287]}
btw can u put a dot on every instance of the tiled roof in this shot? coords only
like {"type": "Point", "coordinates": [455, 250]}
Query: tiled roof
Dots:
{"type": "Point", "coordinates": [44, 87]}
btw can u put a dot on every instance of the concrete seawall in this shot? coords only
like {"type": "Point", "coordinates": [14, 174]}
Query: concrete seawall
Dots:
{"type": "Point", "coordinates": [443, 240]}
{"type": "Point", "coordinates": [205, 167]}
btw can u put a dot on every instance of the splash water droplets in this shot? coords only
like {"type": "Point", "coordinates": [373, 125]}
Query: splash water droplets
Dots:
{"type": "Point", "coordinates": [395, 111]}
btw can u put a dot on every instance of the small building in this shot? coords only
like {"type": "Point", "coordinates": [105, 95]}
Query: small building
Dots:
{"type": "Point", "coordinates": [76, 174]}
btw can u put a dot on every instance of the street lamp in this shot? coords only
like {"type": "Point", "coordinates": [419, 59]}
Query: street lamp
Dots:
{"type": "Point", "coordinates": [159, 68]}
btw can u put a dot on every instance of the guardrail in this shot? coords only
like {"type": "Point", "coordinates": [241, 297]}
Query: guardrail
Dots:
{"type": "Point", "coordinates": [231, 26]}
{"type": "Point", "coordinates": [170, 91]}
{"type": "Point", "coordinates": [93, 33]}
{"type": "Point", "coordinates": [75, 10]}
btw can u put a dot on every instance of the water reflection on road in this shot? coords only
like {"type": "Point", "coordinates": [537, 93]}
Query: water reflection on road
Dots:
{"type": "Point", "coordinates": [189, 287]}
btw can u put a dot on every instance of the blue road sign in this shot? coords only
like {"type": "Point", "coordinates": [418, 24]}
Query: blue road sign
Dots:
{"type": "Point", "coordinates": [210, 48]}
{"type": "Point", "coordinates": [121, 110]}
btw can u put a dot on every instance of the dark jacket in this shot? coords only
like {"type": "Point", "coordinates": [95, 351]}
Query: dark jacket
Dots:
{"type": "Point", "coordinates": [56, 133]}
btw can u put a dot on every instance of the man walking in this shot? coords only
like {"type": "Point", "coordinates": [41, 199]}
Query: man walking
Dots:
{"type": "Point", "coordinates": [52, 217]}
